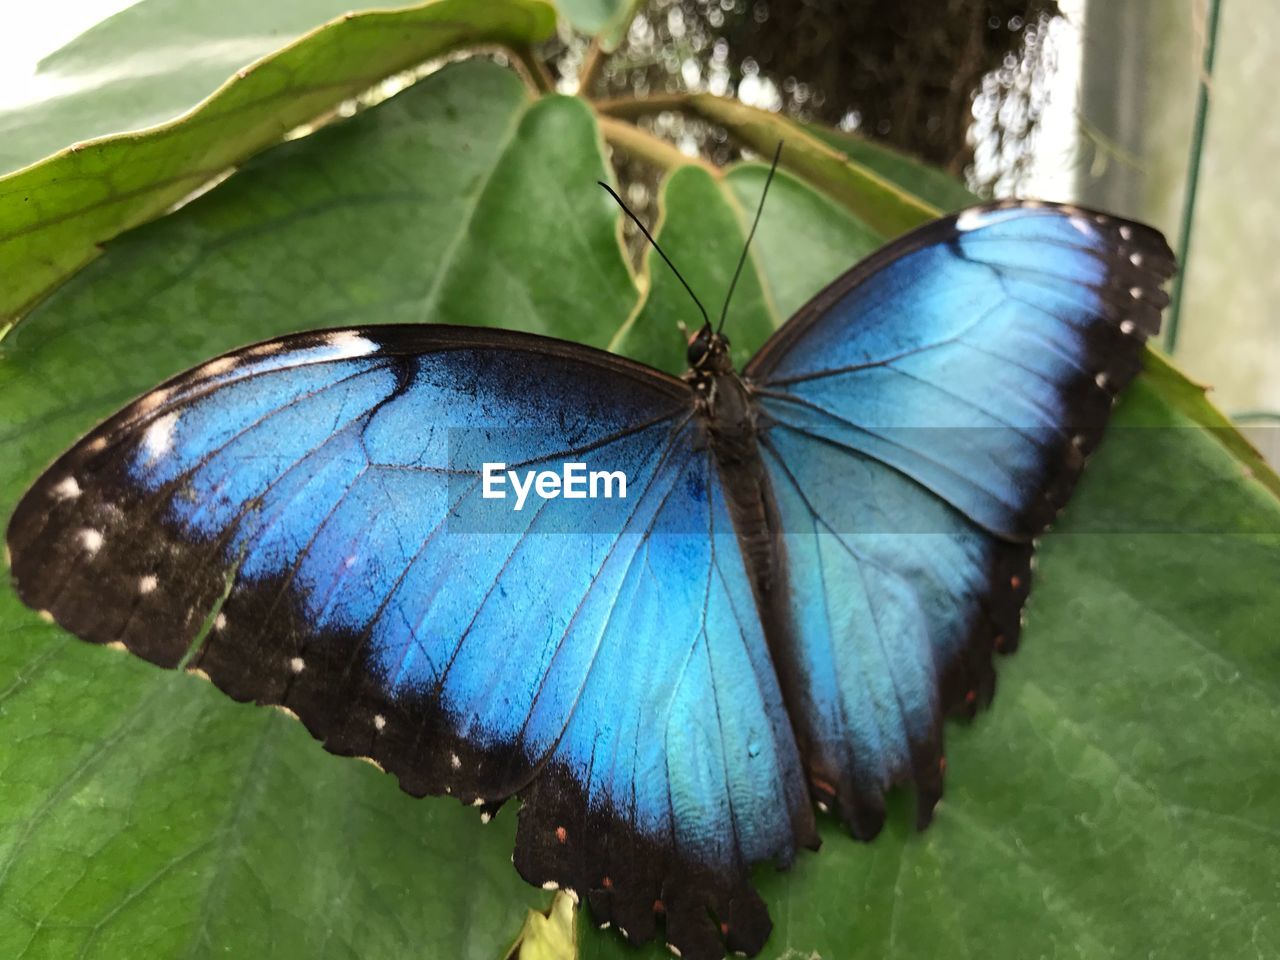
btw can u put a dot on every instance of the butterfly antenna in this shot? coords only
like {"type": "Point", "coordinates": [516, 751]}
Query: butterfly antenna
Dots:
{"type": "Point", "coordinates": [648, 236]}
{"type": "Point", "coordinates": [747, 246]}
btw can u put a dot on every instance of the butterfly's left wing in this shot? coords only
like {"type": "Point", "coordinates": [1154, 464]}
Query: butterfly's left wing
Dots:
{"type": "Point", "coordinates": [305, 523]}
{"type": "Point", "coordinates": [923, 419]}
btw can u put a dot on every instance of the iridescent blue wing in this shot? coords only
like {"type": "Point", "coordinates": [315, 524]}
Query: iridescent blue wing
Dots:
{"type": "Point", "coordinates": [923, 419]}
{"type": "Point", "coordinates": [304, 523]}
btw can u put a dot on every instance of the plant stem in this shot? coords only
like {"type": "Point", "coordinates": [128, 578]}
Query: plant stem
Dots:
{"type": "Point", "coordinates": [591, 66]}
{"type": "Point", "coordinates": [537, 73]}
{"type": "Point", "coordinates": [1193, 174]}
{"type": "Point", "coordinates": [647, 147]}
{"type": "Point", "coordinates": [629, 107]}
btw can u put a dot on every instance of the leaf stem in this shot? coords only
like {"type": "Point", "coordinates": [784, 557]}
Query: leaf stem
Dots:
{"type": "Point", "coordinates": [1193, 173]}
{"type": "Point", "coordinates": [629, 107]}
{"type": "Point", "coordinates": [647, 147]}
{"type": "Point", "coordinates": [537, 72]}
{"type": "Point", "coordinates": [592, 63]}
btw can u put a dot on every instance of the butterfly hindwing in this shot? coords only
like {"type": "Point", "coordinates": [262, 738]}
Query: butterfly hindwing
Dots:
{"type": "Point", "coordinates": [304, 523]}
{"type": "Point", "coordinates": [922, 420]}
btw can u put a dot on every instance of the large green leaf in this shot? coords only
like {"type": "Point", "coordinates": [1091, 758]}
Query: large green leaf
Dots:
{"type": "Point", "coordinates": [55, 214]}
{"type": "Point", "coordinates": [928, 183]}
{"type": "Point", "coordinates": [875, 194]}
{"type": "Point", "coordinates": [804, 241]}
{"type": "Point", "coordinates": [1112, 804]}
{"type": "Point", "coordinates": [141, 813]}
{"type": "Point", "coordinates": [147, 64]}
{"type": "Point", "coordinates": [1118, 801]}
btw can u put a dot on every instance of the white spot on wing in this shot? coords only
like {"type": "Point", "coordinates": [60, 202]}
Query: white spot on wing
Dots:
{"type": "Point", "coordinates": [1082, 226]}
{"type": "Point", "coordinates": [151, 402]}
{"type": "Point", "coordinates": [67, 489]}
{"type": "Point", "coordinates": [1126, 233]}
{"type": "Point", "coordinates": [1127, 326]}
{"type": "Point", "coordinates": [379, 722]}
{"type": "Point", "coordinates": [91, 540]}
{"type": "Point", "coordinates": [455, 761]}
{"type": "Point", "coordinates": [972, 220]}
{"type": "Point", "coordinates": [215, 368]}
{"type": "Point", "coordinates": [675, 951]}
{"type": "Point", "coordinates": [264, 349]}
{"type": "Point", "coordinates": [486, 817]}
{"type": "Point", "coordinates": [159, 436]}
{"type": "Point", "coordinates": [551, 885]}
{"type": "Point", "coordinates": [148, 583]}
{"type": "Point", "coordinates": [220, 621]}
{"type": "Point", "coordinates": [297, 664]}
{"type": "Point", "coordinates": [345, 344]}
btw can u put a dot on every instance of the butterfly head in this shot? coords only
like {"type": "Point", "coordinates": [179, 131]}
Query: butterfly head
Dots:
{"type": "Point", "coordinates": [708, 352]}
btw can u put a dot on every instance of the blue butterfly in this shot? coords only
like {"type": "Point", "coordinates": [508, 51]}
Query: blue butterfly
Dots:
{"type": "Point", "coordinates": [811, 565]}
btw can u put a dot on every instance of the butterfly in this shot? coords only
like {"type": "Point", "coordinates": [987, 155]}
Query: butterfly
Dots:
{"type": "Point", "coordinates": [812, 565]}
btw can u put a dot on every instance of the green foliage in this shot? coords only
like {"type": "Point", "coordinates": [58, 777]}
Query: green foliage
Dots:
{"type": "Point", "coordinates": [1118, 801]}
{"type": "Point", "coordinates": [54, 214]}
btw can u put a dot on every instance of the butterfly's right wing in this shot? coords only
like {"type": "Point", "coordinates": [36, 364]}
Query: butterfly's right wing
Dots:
{"type": "Point", "coordinates": [923, 419]}
{"type": "Point", "coordinates": [304, 523]}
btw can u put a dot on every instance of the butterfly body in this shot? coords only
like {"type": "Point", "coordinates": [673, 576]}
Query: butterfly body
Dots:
{"type": "Point", "coordinates": [814, 564]}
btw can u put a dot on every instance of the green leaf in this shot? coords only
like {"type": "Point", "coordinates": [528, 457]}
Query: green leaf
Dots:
{"type": "Point", "coordinates": [1117, 801]}
{"type": "Point", "coordinates": [605, 19]}
{"type": "Point", "coordinates": [551, 935]}
{"type": "Point", "coordinates": [144, 814]}
{"type": "Point", "coordinates": [53, 215]}
{"type": "Point", "coordinates": [147, 64]}
{"type": "Point", "coordinates": [804, 241]}
{"type": "Point", "coordinates": [871, 196]}
{"type": "Point", "coordinates": [928, 183]}
{"type": "Point", "coordinates": [1112, 803]}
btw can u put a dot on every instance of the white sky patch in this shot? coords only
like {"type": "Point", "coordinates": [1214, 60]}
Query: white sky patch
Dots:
{"type": "Point", "coordinates": [159, 436]}
{"type": "Point", "coordinates": [32, 32]}
{"type": "Point", "coordinates": [1055, 144]}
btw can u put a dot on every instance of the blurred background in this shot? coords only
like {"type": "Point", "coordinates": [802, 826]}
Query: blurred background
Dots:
{"type": "Point", "coordinates": [1105, 103]}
